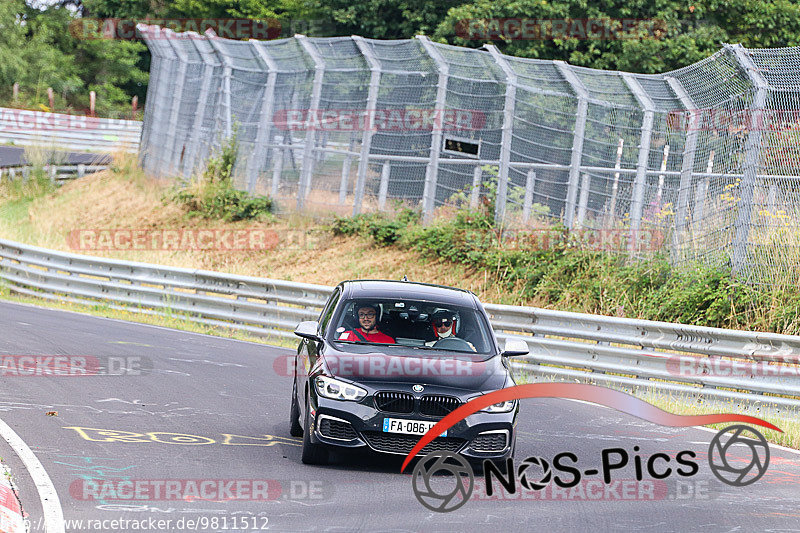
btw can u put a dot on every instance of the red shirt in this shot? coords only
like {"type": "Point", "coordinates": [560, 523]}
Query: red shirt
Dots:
{"type": "Point", "coordinates": [374, 337]}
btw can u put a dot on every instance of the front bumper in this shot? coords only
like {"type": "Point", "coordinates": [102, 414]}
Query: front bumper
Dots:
{"type": "Point", "coordinates": [357, 425]}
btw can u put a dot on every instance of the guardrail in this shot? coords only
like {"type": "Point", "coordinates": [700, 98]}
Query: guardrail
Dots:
{"type": "Point", "coordinates": [709, 362]}
{"type": "Point", "coordinates": [25, 127]}
{"type": "Point", "coordinates": [57, 173]}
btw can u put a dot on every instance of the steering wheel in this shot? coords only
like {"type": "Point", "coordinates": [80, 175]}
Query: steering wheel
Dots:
{"type": "Point", "coordinates": [453, 343]}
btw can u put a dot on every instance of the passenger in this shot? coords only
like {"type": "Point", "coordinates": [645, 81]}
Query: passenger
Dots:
{"type": "Point", "coordinates": [367, 316]}
{"type": "Point", "coordinates": [444, 326]}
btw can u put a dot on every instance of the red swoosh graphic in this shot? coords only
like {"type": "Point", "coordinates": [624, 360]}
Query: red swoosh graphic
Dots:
{"type": "Point", "coordinates": [579, 391]}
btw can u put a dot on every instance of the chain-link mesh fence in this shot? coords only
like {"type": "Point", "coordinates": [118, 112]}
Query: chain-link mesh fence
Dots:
{"type": "Point", "coordinates": [705, 157]}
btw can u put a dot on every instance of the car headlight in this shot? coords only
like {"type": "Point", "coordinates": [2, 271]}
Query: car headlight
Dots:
{"type": "Point", "coordinates": [502, 407]}
{"type": "Point", "coordinates": [338, 390]}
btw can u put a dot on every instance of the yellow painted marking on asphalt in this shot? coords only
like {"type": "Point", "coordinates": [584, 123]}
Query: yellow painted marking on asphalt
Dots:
{"type": "Point", "coordinates": [183, 439]}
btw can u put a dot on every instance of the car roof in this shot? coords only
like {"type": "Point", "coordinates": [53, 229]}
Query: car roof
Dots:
{"type": "Point", "coordinates": [367, 288]}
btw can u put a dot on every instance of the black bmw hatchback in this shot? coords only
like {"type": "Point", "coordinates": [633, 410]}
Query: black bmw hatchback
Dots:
{"type": "Point", "coordinates": [389, 359]}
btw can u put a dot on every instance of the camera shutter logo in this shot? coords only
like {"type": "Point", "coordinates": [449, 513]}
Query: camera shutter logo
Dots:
{"type": "Point", "coordinates": [728, 455]}
{"type": "Point", "coordinates": [443, 500]}
{"type": "Point", "coordinates": [544, 479]}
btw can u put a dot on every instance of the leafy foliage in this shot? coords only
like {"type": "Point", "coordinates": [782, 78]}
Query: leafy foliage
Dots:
{"type": "Point", "coordinates": [557, 274]}
{"type": "Point", "coordinates": [213, 195]}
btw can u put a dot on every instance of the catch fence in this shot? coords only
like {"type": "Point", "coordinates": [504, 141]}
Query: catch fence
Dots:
{"type": "Point", "coordinates": [708, 155]}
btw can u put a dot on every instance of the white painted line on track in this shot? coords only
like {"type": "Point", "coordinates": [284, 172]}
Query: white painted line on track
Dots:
{"type": "Point", "coordinates": [51, 505]}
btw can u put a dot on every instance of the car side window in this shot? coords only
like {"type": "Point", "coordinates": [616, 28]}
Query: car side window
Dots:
{"type": "Point", "coordinates": [327, 313]}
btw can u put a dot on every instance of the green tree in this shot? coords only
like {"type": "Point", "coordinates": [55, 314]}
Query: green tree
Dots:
{"type": "Point", "coordinates": [678, 34]}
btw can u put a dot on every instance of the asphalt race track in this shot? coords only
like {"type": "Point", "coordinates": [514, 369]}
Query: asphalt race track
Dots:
{"type": "Point", "coordinates": [206, 408]}
{"type": "Point", "coordinates": [12, 156]}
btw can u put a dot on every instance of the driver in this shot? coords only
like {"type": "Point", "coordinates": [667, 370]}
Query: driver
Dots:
{"type": "Point", "coordinates": [444, 325]}
{"type": "Point", "coordinates": [367, 315]}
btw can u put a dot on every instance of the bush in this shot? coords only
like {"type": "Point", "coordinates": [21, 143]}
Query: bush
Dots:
{"type": "Point", "coordinates": [563, 276]}
{"type": "Point", "coordinates": [213, 196]}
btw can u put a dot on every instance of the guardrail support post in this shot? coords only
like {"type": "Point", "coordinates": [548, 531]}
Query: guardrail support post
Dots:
{"type": "Point", "coordinates": [509, 107]}
{"type": "Point", "coordinates": [432, 171]}
{"type": "Point", "coordinates": [752, 156]}
{"type": "Point", "coordinates": [307, 169]}
{"type": "Point", "coordinates": [577, 139]}
{"type": "Point", "coordinates": [640, 182]}
{"type": "Point", "coordinates": [366, 140]}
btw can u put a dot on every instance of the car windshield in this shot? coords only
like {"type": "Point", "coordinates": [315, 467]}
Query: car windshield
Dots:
{"type": "Point", "coordinates": [420, 325]}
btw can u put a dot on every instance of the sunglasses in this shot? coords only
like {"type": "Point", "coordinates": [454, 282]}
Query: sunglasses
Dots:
{"type": "Point", "coordinates": [366, 315]}
{"type": "Point", "coordinates": [442, 322]}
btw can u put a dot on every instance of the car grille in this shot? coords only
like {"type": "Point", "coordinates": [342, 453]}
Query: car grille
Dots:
{"type": "Point", "coordinates": [402, 444]}
{"type": "Point", "coordinates": [438, 405]}
{"type": "Point", "coordinates": [336, 429]}
{"type": "Point", "coordinates": [489, 442]}
{"type": "Point", "coordinates": [394, 402]}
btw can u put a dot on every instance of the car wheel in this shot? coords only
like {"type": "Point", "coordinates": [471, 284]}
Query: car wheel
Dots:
{"type": "Point", "coordinates": [295, 429]}
{"type": "Point", "coordinates": [313, 454]}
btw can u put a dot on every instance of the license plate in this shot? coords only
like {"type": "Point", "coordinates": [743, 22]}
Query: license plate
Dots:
{"type": "Point", "coordinates": [409, 427]}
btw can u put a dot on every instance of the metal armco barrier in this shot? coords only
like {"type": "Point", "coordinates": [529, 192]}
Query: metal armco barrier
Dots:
{"type": "Point", "coordinates": [57, 173]}
{"type": "Point", "coordinates": [701, 361]}
{"type": "Point", "coordinates": [25, 127]}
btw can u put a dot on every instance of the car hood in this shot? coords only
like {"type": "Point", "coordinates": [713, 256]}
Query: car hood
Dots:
{"type": "Point", "coordinates": [460, 371]}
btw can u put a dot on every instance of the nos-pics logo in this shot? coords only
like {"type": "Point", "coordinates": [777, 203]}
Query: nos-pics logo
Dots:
{"type": "Point", "coordinates": [444, 481]}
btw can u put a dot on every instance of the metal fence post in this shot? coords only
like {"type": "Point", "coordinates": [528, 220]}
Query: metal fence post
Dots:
{"type": "Point", "coordinates": [509, 108]}
{"type": "Point", "coordinates": [752, 156]}
{"type": "Point", "coordinates": [316, 93]}
{"type": "Point", "coordinates": [152, 141]}
{"type": "Point", "coordinates": [615, 185]}
{"type": "Point", "coordinates": [640, 182]}
{"type": "Point", "coordinates": [345, 180]}
{"type": "Point", "coordinates": [177, 93]}
{"type": "Point", "coordinates": [687, 164]}
{"type": "Point", "coordinates": [577, 139]}
{"type": "Point", "coordinates": [530, 184]}
{"type": "Point", "coordinates": [207, 56]}
{"type": "Point", "coordinates": [384, 185]}
{"type": "Point", "coordinates": [227, 72]}
{"type": "Point", "coordinates": [586, 184]}
{"type": "Point", "coordinates": [432, 171]}
{"type": "Point", "coordinates": [277, 167]}
{"type": "Point", "coordinates": [475, 193]}
{"type": "Point", "coordinates": [264, 133]}
{"type": "Point", "coordinates": [700, 191]}
{"type": "Point", "coordinates": [366, 140]}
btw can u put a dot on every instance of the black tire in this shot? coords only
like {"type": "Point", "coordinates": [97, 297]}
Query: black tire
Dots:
{"type": "Point", "coordinates": [313, 454]}
{"type": "Point", "coordinates": [295, 429]}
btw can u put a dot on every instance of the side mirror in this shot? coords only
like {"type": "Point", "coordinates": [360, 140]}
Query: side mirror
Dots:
{"type": "Point", "coordinates": [307, 330]}
{"type": "Point", "coordinates": [515, 347]}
